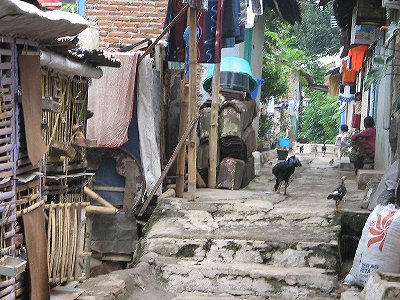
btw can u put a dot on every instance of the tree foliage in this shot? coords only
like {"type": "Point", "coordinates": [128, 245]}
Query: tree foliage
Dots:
{"type": "Point", "coordinates": [297, 48]}
{"type": "Point", "coordinates": [314, 35]}
{"type": "Point", "coordinates": [319, 122]}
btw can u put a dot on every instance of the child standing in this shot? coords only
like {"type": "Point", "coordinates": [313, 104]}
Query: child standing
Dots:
{"type": "Point", "coordinates": [356, 120]}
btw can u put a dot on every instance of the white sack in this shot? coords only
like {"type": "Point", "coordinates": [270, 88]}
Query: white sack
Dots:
{"type": "Point", "coordinates": [378, 248]}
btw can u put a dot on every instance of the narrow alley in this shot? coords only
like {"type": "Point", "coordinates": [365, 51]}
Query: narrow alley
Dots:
{"type": "Point", "coordinates": [248, 244]}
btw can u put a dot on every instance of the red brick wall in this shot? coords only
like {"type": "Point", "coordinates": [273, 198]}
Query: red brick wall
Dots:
{"type": "Point", "coordinates": [126, 21]}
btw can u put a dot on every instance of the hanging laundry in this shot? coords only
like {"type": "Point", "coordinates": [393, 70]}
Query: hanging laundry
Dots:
{"type": "Point", "coordinates": [346, 93]}
{"type": "Point", "coordinates": [210, 33]}
{"type": "Point", "coordinates": [250, 16]}
{"type": "Point", "coordinates": [176, 44]}
{"type": "Point", "coordinates": [356, 56]}
{"type": "Point", "coordinates": [333, 85]}
{"type": "Point", "coordinates": [209, 24]}
{"type": "Point", "coordinates": [111, 100]}
{"type": "Point", "coordinates": [258, 8]}
{"type": "Point", "coordinates": [348, 76]}
{"type": "Point", "coordinates": [198, 4]}
{"type": "Point", "coordinates": [231, 23]}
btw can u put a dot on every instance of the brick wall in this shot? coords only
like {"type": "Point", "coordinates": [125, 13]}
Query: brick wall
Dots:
{"type": "Point", "coordinates": [126, 21]}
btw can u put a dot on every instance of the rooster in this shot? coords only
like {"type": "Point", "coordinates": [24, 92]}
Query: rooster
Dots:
{"type": "Point", "coordinates": [338, 193]}
{"type": "Point", "coordinates": [331, 162]}
{"type": "Point", "coordinates": [283, 171]}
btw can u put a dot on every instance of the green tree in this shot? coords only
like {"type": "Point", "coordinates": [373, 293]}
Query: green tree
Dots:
{"type": "Point", "coordinates": [314, 35]}
{"type": "Point", "coordinates": [320, 121]}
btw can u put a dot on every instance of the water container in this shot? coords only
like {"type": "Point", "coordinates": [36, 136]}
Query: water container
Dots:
{"type": "Point", "coordinates": [284, 142]}
{"type": "Point", "coordinates": [257, 163]}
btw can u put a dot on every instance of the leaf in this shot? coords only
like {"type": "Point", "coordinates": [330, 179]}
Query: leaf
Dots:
{"type": "Point", "coordinates": [391, 33]}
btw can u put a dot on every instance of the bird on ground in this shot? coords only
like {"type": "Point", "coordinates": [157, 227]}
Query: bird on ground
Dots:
{"type": "Point", "coordinates": [338, 193]}
{"type": "Point", "coordinates": [324, 149]}
{"type": "Point", "coordinates": [331, 162]}
{"type": "Point", "coordinates": [283, 171]}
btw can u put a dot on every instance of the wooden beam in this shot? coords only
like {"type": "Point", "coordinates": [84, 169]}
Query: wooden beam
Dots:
{"type": "Point", "coordinates": [213, 137]}
{"type": "Point", "coordinates": [181, 160]}
{"type": "Point", "coordinates": [192, 169]}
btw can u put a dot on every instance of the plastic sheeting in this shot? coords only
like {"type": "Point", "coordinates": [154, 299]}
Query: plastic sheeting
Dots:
{"type": "Point", "coordinates": [148, 105]}
{"type": "Point", "coordinates": [111, 101]}
{"type": "Point", "coordinates": [24, 20]}
{"type": "Point", "coordinates": [65, 66]}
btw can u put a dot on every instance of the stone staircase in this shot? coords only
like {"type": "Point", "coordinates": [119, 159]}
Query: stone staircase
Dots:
{"type": "Point", "coordinates": [224, 248]}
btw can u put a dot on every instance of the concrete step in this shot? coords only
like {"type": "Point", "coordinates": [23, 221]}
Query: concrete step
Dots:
{"type": "Point", "coordinates": [382, 286]}
{"type": "Point", "coordinates": [244, 279]}
{"type": "Point", "coordinates": [365, 176]}
{"type": "Point", "coordinates": [289, 254]}
{"type": "Point", "coordinates": [351, 295]}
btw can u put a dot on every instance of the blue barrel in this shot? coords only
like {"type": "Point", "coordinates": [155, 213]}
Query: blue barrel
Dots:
{"type": "Point", "coordinates": [284, 142]}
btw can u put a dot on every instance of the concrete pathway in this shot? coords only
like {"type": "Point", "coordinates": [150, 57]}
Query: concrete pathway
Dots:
{"type": "Point", "coordinates": [247, 244]}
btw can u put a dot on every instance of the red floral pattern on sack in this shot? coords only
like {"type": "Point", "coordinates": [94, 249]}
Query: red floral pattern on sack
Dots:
{"type": "Point", "coordinates": [380, 230]}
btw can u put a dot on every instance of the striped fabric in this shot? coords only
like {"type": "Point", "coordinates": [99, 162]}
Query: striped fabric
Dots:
{"type": "Point", "coordinates": [198, 4]}
{"type": "Point", "coordinates": [257, 7]}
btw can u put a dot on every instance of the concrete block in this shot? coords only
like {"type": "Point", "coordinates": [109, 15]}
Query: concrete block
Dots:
{"type": "Point", "coordinates": [382, 286]}
{"type": "Point", "coordinates": [345, 164]}
{"type": "Point", "coordinates": [365, 176]}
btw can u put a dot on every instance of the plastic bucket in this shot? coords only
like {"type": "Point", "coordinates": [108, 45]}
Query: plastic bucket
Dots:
{"type": "Point", "coordinates": [284, 142]}
{"type": "Point", "coordinates": [234, 65]}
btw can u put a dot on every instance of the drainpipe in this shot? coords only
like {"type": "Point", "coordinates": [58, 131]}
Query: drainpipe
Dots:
{"type": "Point", "coordinates": [81, 7]}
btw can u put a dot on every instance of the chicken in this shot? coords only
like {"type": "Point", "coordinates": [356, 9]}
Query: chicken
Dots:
{"type": "Point", "coordinates": [331, 162]}
{"type": "Point", "coordinates": [338, 193]}
{"type": "Point", "coordinates": [283, 171]}
{"type": "Point", "coordinates": [324, 149]}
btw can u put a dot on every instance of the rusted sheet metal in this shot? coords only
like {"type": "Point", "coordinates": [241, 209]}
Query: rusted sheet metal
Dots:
{"type": "Point", "coordinates": [230, 174]}
{"type": "Point", "coordinates": [235, 116]}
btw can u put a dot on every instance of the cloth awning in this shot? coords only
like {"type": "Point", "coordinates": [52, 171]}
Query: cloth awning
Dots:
{"type": "Point", "coordinates": [24, 20]}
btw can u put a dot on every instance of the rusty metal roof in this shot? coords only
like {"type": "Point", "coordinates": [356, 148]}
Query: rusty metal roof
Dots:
{"type": "Point", "coordinates": [24, 20]}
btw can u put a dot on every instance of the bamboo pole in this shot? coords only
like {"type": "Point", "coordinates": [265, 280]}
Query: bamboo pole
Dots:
{"type": "Point", "coordinates": [193, 102]}
{"type": "Point", "coordinates": [101, 210]}
{"type": "Point", "coordinates": [88, 241]}
{"type": "Point", "coordinates": [191, 126]}
{"type": "Point", "coordinates": [97, 197]}
{"type": "Point", "coordinates": [181, 160]}
{"type": "Point", "coordinates": [213, 137]}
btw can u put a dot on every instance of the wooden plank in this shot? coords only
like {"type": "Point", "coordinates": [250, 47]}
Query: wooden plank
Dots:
{"type": "Point", "coordinates": [6, 166]}
{"type": "Point", "coordinates": [5, 52]}
{"type": "Point", "coordinates": [5, 66]}
{"type": "Point", "coordinates": [6, 148]}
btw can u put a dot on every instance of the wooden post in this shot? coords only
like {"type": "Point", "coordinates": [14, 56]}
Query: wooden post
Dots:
{"type": "Point", "coordinates": [193, 102]}
{"type": "Point", "coordinates": [213, 137]}
{"type": "Point", "coordinates": [88, 241]}
{"type": "Point", "coordinates": [181, 160]}
{"type": "Point", "coordinates": [130, 186]}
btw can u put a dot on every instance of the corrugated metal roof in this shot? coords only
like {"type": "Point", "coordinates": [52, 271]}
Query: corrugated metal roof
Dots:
{"type": "Point", "coordinates": [23, 20]}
